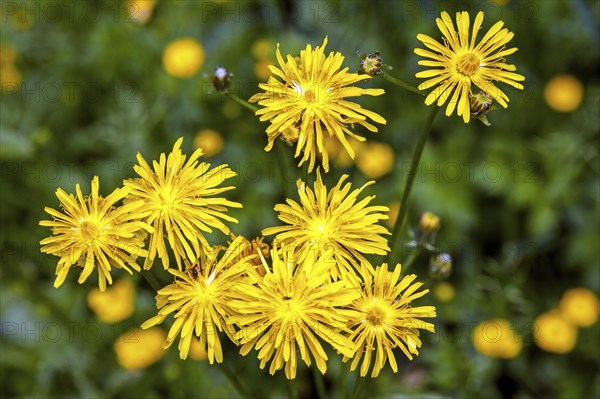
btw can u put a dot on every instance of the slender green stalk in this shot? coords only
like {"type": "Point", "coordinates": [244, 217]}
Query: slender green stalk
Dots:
{"type": "Point", "coordinates": [401, 84]}
{"type": "Point", "coordinates": [344, 371]}
{"type": "Point", "coordinates": [292, 389]}
{"type": "Point", "coordinates": [416, 157]}
{"type": "Point", "coordinates": [151, 280]}
{"type": "Point", "coordinates": [319, 384]}
{"type": "Point", "coordinates": [281, 161]}
{"type": "Point", "coordinates": [232, 378]}
{"type": "Point", "coordinates": [242, 102]}
{"type": "Point", "coordinates": [413, 257]}
{"type": "Point", "coordinates": [358, 384]}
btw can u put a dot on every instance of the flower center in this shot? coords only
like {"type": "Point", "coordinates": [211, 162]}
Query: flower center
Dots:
{"type": "Point", "coordinates": [468, 64]}
{"type": "Point", "coordinates": [89, 230]}
{"type": "Point", "coordinates": [375, 316]}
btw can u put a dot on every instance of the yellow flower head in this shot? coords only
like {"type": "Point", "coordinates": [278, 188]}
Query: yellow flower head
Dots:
{"type": "Point", "coordinates": [200, 299]}
{"type": "Point", "coordinates": [138, 349]}
{"type": "Point", "coordinates": [461, 63]}
{"type": "Point", "coordinates": [383, 319]}
{"type": "Point", "coordinates": [553, 333]}
{"type": "Point", "coordinates": [332, 220]}
{"type": "Point", "coordinates": [309, 103]}
{"type": "Point", "coordinates": [497, 338]}
{"type": "Point", "coordinates": [183, 57]}
{"type": "Point", "coordinates": [286, 310]}
{"type": "Point", "coordinates": [93, 233]}
{"type": "Point", "coordinates": [179, 198]}
{"type": "Point", "coordinates": [114, 304]}
{"type": "Point", "coordinates": [580, 306]}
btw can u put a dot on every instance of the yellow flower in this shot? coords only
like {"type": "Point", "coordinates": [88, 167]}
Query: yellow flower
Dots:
{"type": "Point", "coordinates": [553, 333]}
{"type": "Point", "coordinates": [311, 100]}
{"type": "Point", "coordinates": [375, 160]}
{"type": "Point", "coordinates": [383, 319]}
{"type": "Point", "coordinates": [140, 10]}
{"type": "Point", "coordinates": [210, 141]}
{"type": "Point", "coordinates": [200, 299]}
{"type": "Point", "coordinates": [334, 220]}
{"type": "Point", "coordinates": [137, 349]}
{"type": "Point", "coordinates": [183, 57]}
{"type": "Point", "coordinates": [94, 233]}
{"type": "Point", "coordinates": [338, 154]}
{"type": "Point", "coordinates": [179, 198]}
{"type": "Point", "coordinates": [444, 291]}
{"type": "Point", "coordinates": [563, 93]}
{"type": "Point", "coordinates": [464, 64]}
{"type": "Point", "coordinates": [286, 310]}
{"type": "Point", "coordinates": [114, 304]}
{"type": "Point", "coordinates": [497, 338]}
{"type": "Point", "coordinates": [580, 306]}
{"type": "Point", "coordinates": [197, 351]}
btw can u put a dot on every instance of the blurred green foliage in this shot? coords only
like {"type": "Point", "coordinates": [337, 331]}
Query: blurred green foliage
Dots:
{"type": "Point", "coordinates": [519, 201]}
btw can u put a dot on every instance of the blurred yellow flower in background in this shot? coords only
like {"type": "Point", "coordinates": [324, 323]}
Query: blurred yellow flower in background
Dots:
{"type": "Point", "coordinates": [338, 153]}
{"type": "Point", "coordinates": [183, 57]}
{"type": "Point", "coordinates": [140, 10]}
{"type": "Point", "coordinates": [375, 159]}
{"type": "Point", "coordinates": [138, 349]}
{"type": "Point", "coordinates": [262, 49]}
{"type": "Point", "coordinates": [197, 351]}
{"type": "Point", "coordinates": [393, 213]}
{"type": "Point", "coordinates": [554, 333]}
{"type": "Point", "coordinates": [10, 76]}
{"type": "Point", "coordinates": [497, 338]}
{"type": "Point", "coordinates": [114, 304]}
{"type": "Point", "coordinates": [261, 69]}
{"type": "Point", "coordinates": [210, 141]}
{"type": "Point", "coordinates": [563, 93]}
{"type": "Point", "coordinates": [580, 306]}
{"type": "Point", "coordinates": [444, 291]}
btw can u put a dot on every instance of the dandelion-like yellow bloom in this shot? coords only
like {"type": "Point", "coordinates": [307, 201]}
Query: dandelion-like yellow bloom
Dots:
{"type": "Point", "coordinates": [115, 304]}
{"type": "Point", "coordinates": [180, 199]}
{"type": "Point", "coordinates": [200, 299]}
{"type": "Point", "coordinates": [383, 319]}
{"type": "Point", "coordinates": [287, 309]}
{"type": "Point", "coordinates": [309, 103]}
{"type": "Point", "coordinates": [332, 220]}
{"type": "Point", "coordinates": [138, 349]}
{"type": "Point", "coordinates": [554, 333]}
{"type": "Point", "coordinates": [93, 233]}
{"type": "Point", "coordinates": [497, 338]}
{"type": "Point", "coordinates": [461, 64]}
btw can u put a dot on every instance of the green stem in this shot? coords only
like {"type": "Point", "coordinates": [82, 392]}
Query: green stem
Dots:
{"type": "Point", "coordinates": [357, 387]}
{"type": "Point", "coordinates": [151, 280]}
{"type": "Point", "coordinates": [232, 378]}
{"type": "Point", "coordinates": [281, 160]}
{"type": "Point", "coordinates": [292, 391]}
{"type": "Point", "coordinates": [401, 84]}
{"type": "Point", "coordinates": [319, 383]}
{"type": "Point", "coordinates": [416, 157]}
{"type": "Point", "coordinates": [242, 102]}
{"type": "Point", "coordinates": [344, 371]}
{"type": "Point", "coordinates": [413, 257]}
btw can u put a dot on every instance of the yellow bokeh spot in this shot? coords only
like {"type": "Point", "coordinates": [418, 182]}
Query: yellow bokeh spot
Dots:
{"type": "Point", "coordinates": [210, 141]}
{"type": "Point", "coordinates": [497, 338]}
{"type": "Point", "coordinates": [114, 304]}
{"type": "Point", "coordinates": [553, 333]}
{"type": "Point", "coordinates": [393, 213]}
{"type": "Point", "coordinates": [338, 153]}
{"type": "Point", "coordinates": [444, 292]}
{"type": "Point", "coordinates": [261, 69]}
{"type": "Point", "coordinates": [375, 160]}
{"type": "Point", "coordinates": [580, 306]}
{"type": "Point", "coordinates": [137, 348]}
{"type": "Point", "coordinates": [8, 56]}
{"type": "Point", "coordinates": [10, 78]}
{"type": "Point", "coordinates": [140, 10]}
{"type": "Point", "coordinates": [262, 49]}
{"type": "Point", "coordinates": [197, 352]}
{"type": "Point", "coordinates": [563, 93]}
{"type": "Point", "coordinates": [183, 58]}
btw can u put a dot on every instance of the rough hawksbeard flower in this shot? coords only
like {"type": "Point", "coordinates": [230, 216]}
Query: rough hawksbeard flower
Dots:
{"type": "Point", "coordinates": [309, 103]}
{"type": "Point", "coordinates": [200, 299]}
{"type": "Point", "coordinates": [93, 233]}
{"type": "Point", "coordinates": [180, 199]}
{"type": "Point", "coordinates": [286, 310]}
{"type": "Point", "coordinates": [333, 220]}
{"type": "Point", "coordinates": [383, 319]}
{"type": "Point", "coordinates": [464, 64]}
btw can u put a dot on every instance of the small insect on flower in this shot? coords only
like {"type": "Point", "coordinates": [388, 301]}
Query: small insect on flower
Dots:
{"type": "Point", "coordinates": [193, 271]}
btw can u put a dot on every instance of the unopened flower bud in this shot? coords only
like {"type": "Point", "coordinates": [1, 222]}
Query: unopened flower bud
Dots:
{"type": "Point", "coordinates": [221, 79]}
{"type": "Point", "coordinates": [371, 64]}
{"type": "Point", "coordinates": [440, 266]}
{"type": "Point", "coordinates": [428, 227]}
{"type": "Point", "coordinates": [480, 104]}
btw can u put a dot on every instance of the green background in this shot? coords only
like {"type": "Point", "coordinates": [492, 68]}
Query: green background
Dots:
{"type": "Point", "coordinates": [519, 201]}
